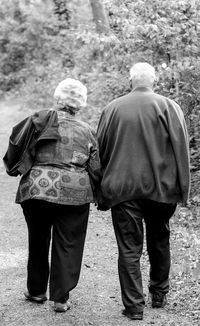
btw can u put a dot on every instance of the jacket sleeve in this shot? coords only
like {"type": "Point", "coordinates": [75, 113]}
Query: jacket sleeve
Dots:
{"type": "Point", "coordinates": [102, 142]}
{"type": "Point", "coordinates": [20, 153]}
{"type": "Point", "coordinates": [94, 166]}
{"type": "Point", "coordinates": [180, 143]}
{"type": "Point", "coordinates": [101, 137]}
{"type": "Point", "coordinates": [20, 138]}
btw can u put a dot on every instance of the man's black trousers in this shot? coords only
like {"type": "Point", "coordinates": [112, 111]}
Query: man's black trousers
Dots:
{"type": "Point", "coordinates": [128, 225]}
{"type": "Point", "coordinates": [66, 225]}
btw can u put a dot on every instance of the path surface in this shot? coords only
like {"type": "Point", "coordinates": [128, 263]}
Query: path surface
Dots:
{"type": "Point", "coordinates": [96, 300]}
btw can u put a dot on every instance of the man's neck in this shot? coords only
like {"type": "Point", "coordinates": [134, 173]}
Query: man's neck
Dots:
{"type": "Point", "coordinates": [142, 87]}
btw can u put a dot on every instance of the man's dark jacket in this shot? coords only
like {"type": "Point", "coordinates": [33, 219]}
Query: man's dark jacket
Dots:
{"type": "Point", "coordinates": [25, 135]}
{"type": "Point", "coordinates": [143, 145]}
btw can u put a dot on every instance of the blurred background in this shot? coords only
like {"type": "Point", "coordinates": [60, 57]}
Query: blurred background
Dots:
{"type": "Point", "coordinates": [96, 41]}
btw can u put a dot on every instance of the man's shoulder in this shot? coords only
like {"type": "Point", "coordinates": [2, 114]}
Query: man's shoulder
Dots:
{"type": "Point", "coordinates": [164, 98]}
{"type": "Point", "coordinates": [169, 106]}
{"type": "Point", "coordinates": [122, 98]}
{"type": "Point", "coordinates": [166, 101]}
{"type": "Point", "coordinates": [117, 101]}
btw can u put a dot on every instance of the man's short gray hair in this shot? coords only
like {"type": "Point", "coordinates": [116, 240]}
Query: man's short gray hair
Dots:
{"type": "Point", "coordinates": [142, 72]}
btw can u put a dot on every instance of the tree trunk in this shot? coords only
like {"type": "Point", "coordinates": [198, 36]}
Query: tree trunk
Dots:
{"type": "Point", "coordinates": [100, 17]}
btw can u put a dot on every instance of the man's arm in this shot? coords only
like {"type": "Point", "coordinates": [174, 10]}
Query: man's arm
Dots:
{"type": "Point", "coordinates": [180, 143]}
{"type": "Point", "coordinates": [101, 135]}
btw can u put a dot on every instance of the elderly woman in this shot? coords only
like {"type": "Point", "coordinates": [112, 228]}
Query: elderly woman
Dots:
{"type": "Point", "coordinates": [55, 195]}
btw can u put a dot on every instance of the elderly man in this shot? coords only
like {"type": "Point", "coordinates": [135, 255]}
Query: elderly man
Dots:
{"type": "Point", "coordinates": [143, 145]}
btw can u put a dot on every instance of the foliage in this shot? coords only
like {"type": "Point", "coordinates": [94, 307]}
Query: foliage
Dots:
{"type": "Point", "coordinates": [41, 42]}
{"type": "Point", "coordinates": [30, 43]}
{"type": "Point", "coordinates": [166, 34]}
{"type": "Point", "coordinates": [63, 13]}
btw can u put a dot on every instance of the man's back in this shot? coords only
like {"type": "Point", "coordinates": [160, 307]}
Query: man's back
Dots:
{"type": "Point", "coordinates": [138, 136]}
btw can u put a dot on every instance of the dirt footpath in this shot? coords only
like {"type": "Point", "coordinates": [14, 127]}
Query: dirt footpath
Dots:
{"type": "Point", "coordinates": [96, 300]}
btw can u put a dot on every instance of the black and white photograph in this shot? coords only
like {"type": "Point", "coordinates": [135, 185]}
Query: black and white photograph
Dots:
{"type": "Point", "coordinates": [100, 162]}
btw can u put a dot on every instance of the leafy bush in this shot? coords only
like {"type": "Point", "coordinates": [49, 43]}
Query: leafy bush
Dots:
{"type": "Point", "coordinates": [38, 50]}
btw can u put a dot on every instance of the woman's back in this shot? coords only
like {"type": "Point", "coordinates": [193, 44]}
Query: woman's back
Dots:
{"type": "Point", "coordinates": [72, 151]}
{"type": "Point", "coordinates": [60, 171]}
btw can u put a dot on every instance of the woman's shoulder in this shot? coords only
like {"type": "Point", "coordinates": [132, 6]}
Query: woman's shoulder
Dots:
{"type": "Point", "coordinates": [87, 129]}
{"type": "Point", "coordinates": [43, 113]}
{"type": "Point", "coordinates": [84, 124]}
{"type": "Point", "coordinates": [42, 117]}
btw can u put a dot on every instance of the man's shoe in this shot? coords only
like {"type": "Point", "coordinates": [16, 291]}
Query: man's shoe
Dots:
{"type": "Point", "coordinates": [159, 300]}
{"type": "Point", "coordinates": [40, 298]}
{"type": "Point", "coordinates": [133, 315]}
{"type": "Point", "coordinates": [62, 307]}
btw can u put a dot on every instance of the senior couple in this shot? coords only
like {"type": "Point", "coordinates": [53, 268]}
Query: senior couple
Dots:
{"type": "Point", "coordinates": [137, 166]}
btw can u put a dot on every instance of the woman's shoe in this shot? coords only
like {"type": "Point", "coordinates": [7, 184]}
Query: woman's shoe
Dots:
{"type": "Point", "coordinates": [40, 298]}
{"type": "Point", "coordinates": [62, 307]}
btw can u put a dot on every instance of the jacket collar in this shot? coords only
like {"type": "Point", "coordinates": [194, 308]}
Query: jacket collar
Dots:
{"type": "Point", "coordinates": [142, 89]}
{"type": "Point", "coordinates": [63, 113]}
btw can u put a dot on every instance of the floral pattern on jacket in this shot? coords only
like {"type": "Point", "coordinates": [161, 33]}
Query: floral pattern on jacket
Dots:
{"type": "Point", "coordinates": [64, 169]}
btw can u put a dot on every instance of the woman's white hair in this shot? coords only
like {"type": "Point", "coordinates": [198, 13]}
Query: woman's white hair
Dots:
{"type": "Point", "coordinates": [71, 92]}
{"type": "Point", "coordinates": [142, 73]}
